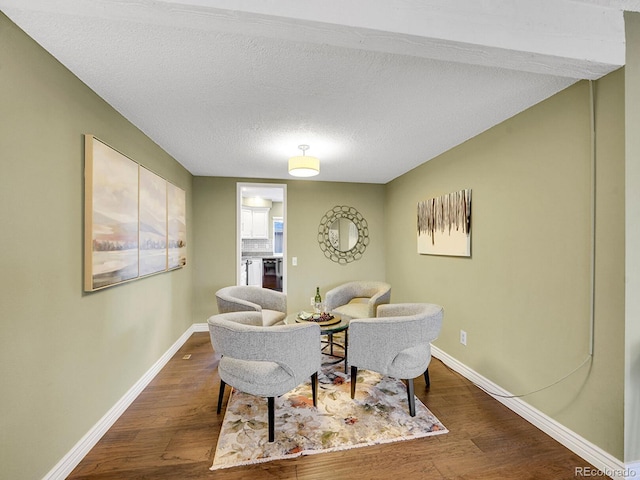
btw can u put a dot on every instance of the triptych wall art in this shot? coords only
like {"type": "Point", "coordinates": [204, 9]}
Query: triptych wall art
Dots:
{"type": "Point", "coordinates": [135, 221]}
{"type": "Point", "coordinates": [444, 225]}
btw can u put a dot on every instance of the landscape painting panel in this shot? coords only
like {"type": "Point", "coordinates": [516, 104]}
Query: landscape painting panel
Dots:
{"type": "Point", "coordinates": [444, 225]}
{"type": "Point", "coordinates": [153, 223]}
{"type": "Point", "coordinates": [177, 226]}
{"type": "Point", "coordinates": [114, 216]}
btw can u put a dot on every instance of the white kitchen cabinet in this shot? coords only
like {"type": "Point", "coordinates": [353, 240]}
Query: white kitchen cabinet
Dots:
{"type": "Point", "coordinates": [251, 271]}
{"type": "Point", "coordinates": [255, 272]}
{"type": "Point", "coordinates": [246, 225]}
{"type": "Point", "coordinates": [255, 222]}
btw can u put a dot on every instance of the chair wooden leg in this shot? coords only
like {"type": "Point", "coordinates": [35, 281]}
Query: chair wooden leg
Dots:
{"type": "Point", "coordinates": [314, 388]}
{"type": "Point", "coordinates": [427, 380]}
{"type": "Point", "coordinates": [271, 408]}
{"type": "Point", "coordinates": [220, 395]}
{"type": "Point", "coordinates": [354, 379]}
{"type": "Point", "coordinates": [411, 397]}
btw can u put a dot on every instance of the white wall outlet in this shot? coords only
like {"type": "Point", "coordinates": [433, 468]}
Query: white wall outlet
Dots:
{"type": "Point", "coordinates": [312, 302]}
{"type": "Point", "coordinates": [294, 261]}
{"type": "Point", "coordinates": [463, 337]}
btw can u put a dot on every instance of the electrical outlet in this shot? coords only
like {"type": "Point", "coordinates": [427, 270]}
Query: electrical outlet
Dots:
{"type": "Point", "coordinates": [312, 302]}
{"type": "Point", "coordinates": [294, 261]}
{"type": "Point", "coordinates": [463, 337]}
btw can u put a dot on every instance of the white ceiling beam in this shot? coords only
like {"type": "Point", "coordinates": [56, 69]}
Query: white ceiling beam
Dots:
{"type": "Point", "coordinates": [576, 39]}
{"type": "Point", "coordinates": [629, 5]}
{"type": "Point", "coordinates": [558, 37]}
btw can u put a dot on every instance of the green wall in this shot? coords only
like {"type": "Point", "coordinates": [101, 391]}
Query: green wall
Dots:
{"type": "Point", "coordinates": [524, 295]}
{"type": "Point", "coordinates": [66, 357]}
{"type": "Point", "coordinates": [632, 332]}
{"type": "Point", "coordinates": [215, 238]}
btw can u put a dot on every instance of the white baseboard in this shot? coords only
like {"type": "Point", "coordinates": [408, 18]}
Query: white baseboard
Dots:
{"type": "Point", "coordinates": [71, 460]}
{"type": "Point", "coordinates": [593, 454]}
{"type": "Point", "coordinates": [582, 447]}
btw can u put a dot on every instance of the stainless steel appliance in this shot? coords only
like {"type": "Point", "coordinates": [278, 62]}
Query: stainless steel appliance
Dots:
{"type": "Point", "coordinates": [272, 273]}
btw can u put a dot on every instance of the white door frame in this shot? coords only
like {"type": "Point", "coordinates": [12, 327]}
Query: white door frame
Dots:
{"type": "Point", "coordinates": [239, 187]}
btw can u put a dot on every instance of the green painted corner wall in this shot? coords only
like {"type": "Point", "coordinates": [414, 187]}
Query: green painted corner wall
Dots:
{"type": "Point", "coordinates": [307, 204]}
{"type": "Point", "coordinates": [632, 191]}
{"type": "Point", "coordinates": [66, 357]}
{"type": "Point", "coordinates": [523, 297]}
{"type": "Point", "coordinates": [215, 238]}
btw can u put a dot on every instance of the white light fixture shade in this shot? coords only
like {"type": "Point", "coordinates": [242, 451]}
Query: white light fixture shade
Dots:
{"type": "Point", "coordinates": [303, 166]}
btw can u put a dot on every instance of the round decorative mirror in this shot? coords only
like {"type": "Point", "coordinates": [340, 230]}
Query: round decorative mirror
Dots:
{"type": "Point", "coordinates": [343, 234]}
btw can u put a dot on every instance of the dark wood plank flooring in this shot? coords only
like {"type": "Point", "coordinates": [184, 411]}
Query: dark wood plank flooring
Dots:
{"type": "Point", "coordinates": [170, 432]}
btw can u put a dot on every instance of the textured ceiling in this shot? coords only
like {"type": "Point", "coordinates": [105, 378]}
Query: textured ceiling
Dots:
{"type": "Point", "coordinates": [375, 87]}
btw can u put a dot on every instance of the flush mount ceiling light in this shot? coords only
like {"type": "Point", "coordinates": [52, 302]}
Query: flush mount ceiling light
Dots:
{"type": "Point", "coordinates": [303, 166]}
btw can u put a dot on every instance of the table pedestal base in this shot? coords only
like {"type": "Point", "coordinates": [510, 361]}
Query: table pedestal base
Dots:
{"type": "Point", "coordinates": [330, 344]}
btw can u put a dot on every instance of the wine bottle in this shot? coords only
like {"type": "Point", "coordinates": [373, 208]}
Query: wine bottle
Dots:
{"type": "Point", "coordinates": [317, 301]}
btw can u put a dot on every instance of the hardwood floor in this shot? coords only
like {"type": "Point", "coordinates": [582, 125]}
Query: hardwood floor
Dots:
{"type": "Point", "coordinates": [171, 429]}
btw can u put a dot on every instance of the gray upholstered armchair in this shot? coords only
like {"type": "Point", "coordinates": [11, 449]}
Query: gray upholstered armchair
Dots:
{"type": "Point", "coordinates": [397, 343]}
{"type": "Point", "coordinates": [357, 299]}
{"type": "Point", "coordinates": [271, 303]}
{"type": "Point", "coordinates": [264, 361]}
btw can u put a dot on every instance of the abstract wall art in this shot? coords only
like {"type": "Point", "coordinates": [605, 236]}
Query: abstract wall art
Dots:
{"type": "Point", "coordinates": [135, 221]}
{"type": "Point", "coordinates": [444, 225]}
{"type": "Point", "coordinates": [153, 223]}
{"type": "Point", "coordinates": [177, 226]}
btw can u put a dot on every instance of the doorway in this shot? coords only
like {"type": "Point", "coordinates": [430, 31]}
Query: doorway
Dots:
{"type": "Point", "coordinates": [262, 235]}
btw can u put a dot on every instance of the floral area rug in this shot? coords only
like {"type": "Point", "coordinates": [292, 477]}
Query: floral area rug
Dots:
{"type": "Point", "coordinates": [378, 414]}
